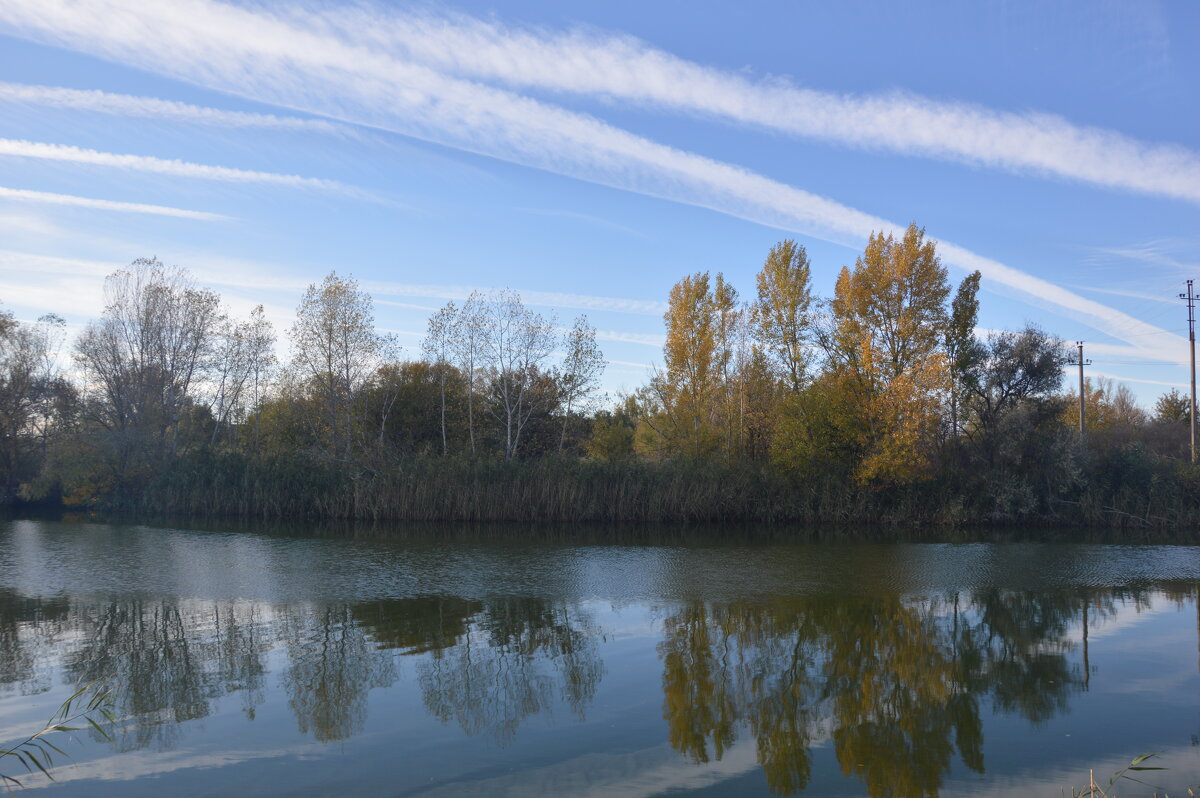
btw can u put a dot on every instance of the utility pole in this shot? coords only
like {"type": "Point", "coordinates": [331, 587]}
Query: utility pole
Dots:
{"type": "Point", "coordinates": [1191, 298]}
{"type": "Point", "coordinates": [1081, 363]}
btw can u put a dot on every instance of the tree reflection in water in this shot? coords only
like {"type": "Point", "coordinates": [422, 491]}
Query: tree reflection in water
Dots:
{"type": "Point", "coordinates": [487, 664]}
{"type": "Point", "coordinates": [494, 662]}
{"type": "Point", "coordinates": [894, 684]}
{"type": "Point", "coordinates": [521, 657]}
{"type": "Point", "coordinates": [897, 687]}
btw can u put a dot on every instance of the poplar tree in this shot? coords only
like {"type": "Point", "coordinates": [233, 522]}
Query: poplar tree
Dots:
{"type": "Point", "coordinates": [889, 324]}
{"type": "Point", "coordinates": [692, 365]}
{"type": "Point", "coordinates": [962, 349]}
{"type": "Point", "coordinates": [781, 314]}
{"type": "Point", "coordinates": [335, 348]}
{"type": "Point", "coordinates": [582, 367]}
{"type": "Point", "coordinates": [438, 346]}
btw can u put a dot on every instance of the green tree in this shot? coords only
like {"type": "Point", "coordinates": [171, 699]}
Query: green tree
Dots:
{"type": "Point", "coordinates": [1173, 407]}
{"type": "Point", "coordinates": [962, 349]}
{"type": "Point", "coordinates": [613, 432]}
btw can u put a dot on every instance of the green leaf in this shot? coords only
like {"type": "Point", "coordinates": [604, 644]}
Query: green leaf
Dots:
{"type": "Point", "coordinates": [55, 747]}
{"type": "Point", "coordinates": [99, 730]}
{"type": "Point", "coordinates": [40, 766]}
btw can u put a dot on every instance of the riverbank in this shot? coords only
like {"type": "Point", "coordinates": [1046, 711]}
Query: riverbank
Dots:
{"type": "Point", "coordinates": [574, 491]}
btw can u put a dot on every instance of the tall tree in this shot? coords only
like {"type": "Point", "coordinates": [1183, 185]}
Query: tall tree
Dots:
{"type": "Point", "coordinates": [27, 388]}
{"type": "Point", "coordinates": [686, 390]}
{"type": "Point", "coordinates": [1011, 368]}
{"type": "Point", "coordinates": [962, 349]}
{"type": "Point", "coordinates": [582, 367]}
{"type": "Point", "coordinates": [438, 347]}
{"type": "Point", "coordinates": [516, 343]}
{"type": "Point", "coordinates": [1172, 408]}
{"type": "Point", "coordinates": [729, 328]}
{"type": "Point", "coordinates": [244, 355]}
{"type": "Point", "coordinates": [781, 313]}
{"type": "Point", "coordinates": [335, 349]}
{"type": "Point", "coordinates": [467, 343]}
{"type": "Point", "coordinates": [895, 300]}
{"type": "Point", "coordinates": [260, 352]}
{"type": "Point", "coordinates": [141, 359]}
{"type": "Point", "coordinates": [886, 337]}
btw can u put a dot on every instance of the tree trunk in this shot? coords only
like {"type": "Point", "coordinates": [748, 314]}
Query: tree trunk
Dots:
{"type": "Point", "coordinates": [566, 416]}
{"type": "Point", "coordinates": [442, 382]}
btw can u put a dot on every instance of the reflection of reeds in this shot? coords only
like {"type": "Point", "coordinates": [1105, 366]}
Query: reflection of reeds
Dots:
{"type": "Point", "coordinates": [568, 490]}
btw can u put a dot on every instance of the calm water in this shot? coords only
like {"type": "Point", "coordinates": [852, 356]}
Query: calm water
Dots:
{"type": "Point", "coordinates": [256, 664]}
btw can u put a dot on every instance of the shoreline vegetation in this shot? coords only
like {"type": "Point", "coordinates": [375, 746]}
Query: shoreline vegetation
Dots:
{"type": "Point", "coordinates": [880, 406]}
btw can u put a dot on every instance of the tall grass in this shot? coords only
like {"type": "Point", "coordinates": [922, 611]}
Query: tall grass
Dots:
{"type": "Point", "coordinates": [569, 490]}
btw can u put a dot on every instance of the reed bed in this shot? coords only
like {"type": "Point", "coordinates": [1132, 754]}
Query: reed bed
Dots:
{"type": "Point", "coordinates": [569, 490]}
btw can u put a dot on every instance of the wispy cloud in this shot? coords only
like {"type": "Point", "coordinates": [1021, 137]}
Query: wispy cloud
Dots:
{"type": "Point", "coordinates": [625, 68]}
{"type": "Point", "coordinates": [337, 68]}
{"type": "Point", "coordinates": [46, 198]}
{"type": "Point", "coordinates": [152, 108]}
{"type": "Point", "coordinates": [1139, 380]}
{"type": "Point", "coordinates": [1167, 299]}
{"type": "Point", "coordinates": [162, 166]}
{"type": "Point", "coordinates": [1152, 252]}
{"type": "Point", "coordinates": [629, 363]}
{"type": "Point", "coordinates": [645, 339]}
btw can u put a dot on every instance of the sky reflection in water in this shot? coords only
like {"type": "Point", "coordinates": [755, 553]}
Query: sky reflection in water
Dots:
{"type": "Point", "coordinates": [292, 664]}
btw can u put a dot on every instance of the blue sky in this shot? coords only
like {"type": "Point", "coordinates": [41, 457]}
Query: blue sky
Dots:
{"type": "Point", "coordinates": [589, 155]}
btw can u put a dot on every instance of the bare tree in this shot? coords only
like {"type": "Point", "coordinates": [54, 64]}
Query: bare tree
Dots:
{"type": "Point", "coordinates": [245, 355]}
{"type": "Point", "coordinates": [260, 353]}
{"type": "Point", "coordinates": [28, 370]}
{"type": "Point", "coordinates": [49, 386]}
{"type": "Point", "coordinates": [582, 366]}
{"type": "Point", "coordinates": [438, 348]}
{"type": "Point", "coordinates": [230, 374]}
{"type": "Point", "coordinates": [467, 345]}
{"type": "Point", "coordinates": [142, 358]}
{"type": "Point", "coordinates": [335, 349]}
{"type": "Point", "coordinates": [516, 342]}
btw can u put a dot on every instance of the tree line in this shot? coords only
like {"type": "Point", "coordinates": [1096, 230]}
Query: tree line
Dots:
{"type": "Point", "coordinates": [882, 398]}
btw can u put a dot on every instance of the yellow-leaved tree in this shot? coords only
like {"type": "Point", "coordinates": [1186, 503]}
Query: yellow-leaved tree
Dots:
{"type": "Point", "coordinates": [888, 324]}
{"type": "Point", "coordinates": [781, 311]}
{"type": "Point", "coordinates": [689, 390]}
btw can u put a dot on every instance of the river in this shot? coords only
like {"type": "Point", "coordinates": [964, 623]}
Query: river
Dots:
{"type": "Point", "coordinates": [294, 662]}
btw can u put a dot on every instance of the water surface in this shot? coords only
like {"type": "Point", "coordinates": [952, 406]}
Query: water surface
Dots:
{"type": "Point", "coordinates": [418, 664]}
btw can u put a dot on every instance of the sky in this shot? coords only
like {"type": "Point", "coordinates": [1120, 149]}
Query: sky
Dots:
{"type": "Point", "coordinates": [589, 155]}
